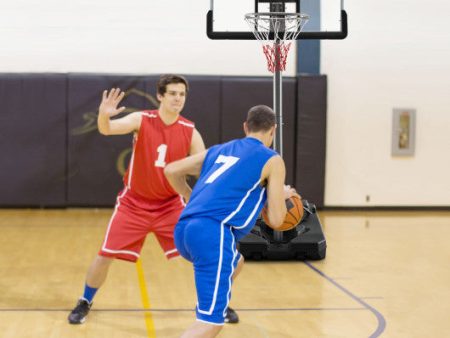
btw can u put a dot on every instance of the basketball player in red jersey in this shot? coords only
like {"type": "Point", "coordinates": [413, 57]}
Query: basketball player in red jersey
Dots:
{"type": "Point", "coordinates": [147, 203]}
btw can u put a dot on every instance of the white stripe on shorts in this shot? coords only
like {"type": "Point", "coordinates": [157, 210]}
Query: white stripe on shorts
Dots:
{"type": "Point", "coordinates": [104, 248]}
{"type": "Point", "coordinates": [219, 267]}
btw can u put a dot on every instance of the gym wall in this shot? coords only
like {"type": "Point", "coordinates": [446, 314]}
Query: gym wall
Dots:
{"type": "Point", "coordinates": [55, 157]}
{"type": "Point", "coordinates": [137, 37]}
{"type": "Point", "coordinates": [394, 57]}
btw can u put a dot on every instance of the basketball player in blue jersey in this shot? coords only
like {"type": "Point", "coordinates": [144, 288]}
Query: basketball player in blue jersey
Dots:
{"type": "Point", "coordinates": [236, 179]}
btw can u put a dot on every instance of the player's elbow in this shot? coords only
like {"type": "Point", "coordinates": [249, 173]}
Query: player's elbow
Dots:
{"type": "Point", "coordinates": [276, 219]}
{"type": "Point", "coordinates": [276, 223]}
{"type": "Point", "coordinates": [103, 131]}
{"type": "Point", "coordinates": [169, 171]}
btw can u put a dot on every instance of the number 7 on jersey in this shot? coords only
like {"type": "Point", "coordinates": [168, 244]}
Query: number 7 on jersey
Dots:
{"type": "Point", "coordinates": [228, 162]}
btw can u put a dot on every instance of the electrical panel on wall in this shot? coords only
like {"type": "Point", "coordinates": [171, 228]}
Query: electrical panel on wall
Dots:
{"type": "Point", "coordinates": [403, 132]}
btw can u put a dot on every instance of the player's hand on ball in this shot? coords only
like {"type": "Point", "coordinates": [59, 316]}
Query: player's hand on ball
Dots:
{"type": "Point", "coordinates": [109, 103]}
{"type": "Point", "coordinates": [289, 192]}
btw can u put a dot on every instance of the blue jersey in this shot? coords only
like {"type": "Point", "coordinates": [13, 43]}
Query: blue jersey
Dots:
{"type": "Point", "coordinates": [229, 189]}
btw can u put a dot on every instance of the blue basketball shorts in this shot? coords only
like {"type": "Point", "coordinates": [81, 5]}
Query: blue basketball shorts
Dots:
{"type": "Point", "coordinates": [211, 247]}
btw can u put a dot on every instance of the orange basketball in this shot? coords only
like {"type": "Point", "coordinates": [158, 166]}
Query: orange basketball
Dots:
{"type": "Point", "coordinates": [294, 213]}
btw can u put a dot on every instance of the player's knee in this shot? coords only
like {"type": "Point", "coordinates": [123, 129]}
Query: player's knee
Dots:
{"type": "Point", "coordinates": [216, 330]}
{"type": "Point", "coordinates": [103, 261]}
{"type": "Point", "coordinates": [212, 331]}
{"type": "Point", "coordinates": [204, 330]}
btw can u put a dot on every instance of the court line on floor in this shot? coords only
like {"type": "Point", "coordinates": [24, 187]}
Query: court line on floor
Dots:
{"type": "Point", "coordinates": [150, 325]}
{"type": "Point", "coordinates": [192, 310]}
{"type": "Point", "coordinates": [381, 321]}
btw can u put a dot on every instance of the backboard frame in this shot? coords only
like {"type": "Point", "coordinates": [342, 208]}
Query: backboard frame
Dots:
{"type": "Point", "coordinates": [227, 35]}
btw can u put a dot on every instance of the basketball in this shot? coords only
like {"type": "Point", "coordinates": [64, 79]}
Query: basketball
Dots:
{"type": "Point", "coordinates": [294, 213]}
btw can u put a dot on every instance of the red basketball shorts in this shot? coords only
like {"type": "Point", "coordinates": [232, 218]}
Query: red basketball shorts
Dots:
{"type": "Point", "coordinates": [133, 218]}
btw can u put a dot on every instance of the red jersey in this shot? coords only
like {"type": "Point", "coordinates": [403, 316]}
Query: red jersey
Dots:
{"type": "Point", "coordinates": [156, 145]}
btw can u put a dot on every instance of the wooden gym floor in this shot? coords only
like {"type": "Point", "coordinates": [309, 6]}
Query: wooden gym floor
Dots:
{"type": "Point", "coordinates": [386, 274]}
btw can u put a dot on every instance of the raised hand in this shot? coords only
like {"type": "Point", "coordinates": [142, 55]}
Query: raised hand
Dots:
{"type": "Point", "coordinates": [109, 103]}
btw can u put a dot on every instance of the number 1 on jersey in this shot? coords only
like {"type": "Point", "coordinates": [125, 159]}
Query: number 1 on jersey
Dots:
{"type": "Point", "coordinates": [228, 162]}
{"type": "Point", "coordinates": [162, 150]}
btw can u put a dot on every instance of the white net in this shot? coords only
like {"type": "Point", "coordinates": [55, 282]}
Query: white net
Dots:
{"type": "Point", "coordinates": [276, 31]}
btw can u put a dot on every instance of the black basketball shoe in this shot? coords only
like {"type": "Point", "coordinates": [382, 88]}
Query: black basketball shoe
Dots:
{"type": "Point", "coordinates": [231, 317]}
{"type": "Point", "coordinates": [79, 313]}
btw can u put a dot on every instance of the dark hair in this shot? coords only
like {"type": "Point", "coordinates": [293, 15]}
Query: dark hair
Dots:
{"type": "Point", "coordinates": [166, 79]}
{"type": "Point", "coordinates": [260, 118]}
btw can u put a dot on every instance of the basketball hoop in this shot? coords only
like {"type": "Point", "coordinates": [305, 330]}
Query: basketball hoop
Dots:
{"type": "Point", "coordinates": [276, 30]}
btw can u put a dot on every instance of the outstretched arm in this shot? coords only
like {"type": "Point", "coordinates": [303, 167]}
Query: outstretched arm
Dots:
{"type": "Point", "coordinates": [177, 171]}
{"type": "Point", "coordinates": [108, 108]}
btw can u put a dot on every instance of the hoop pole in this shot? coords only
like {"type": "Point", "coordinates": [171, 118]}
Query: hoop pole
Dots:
{"type": "Point", "coordinates": [278, 109]}
{"type": "Point", "coordinates": [274, 29]}
{"type": "Point", "coordinates": [277, 103]}
{"type": "Point", "coordinates": [278, 93]}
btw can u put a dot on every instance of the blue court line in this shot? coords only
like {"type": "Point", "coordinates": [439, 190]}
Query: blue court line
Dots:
{"type": "Point", "coordinates": [381, 321]}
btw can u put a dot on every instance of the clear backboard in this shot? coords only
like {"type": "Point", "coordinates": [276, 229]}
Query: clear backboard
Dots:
{"type": "Point", "coordinates": [327, 18]}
